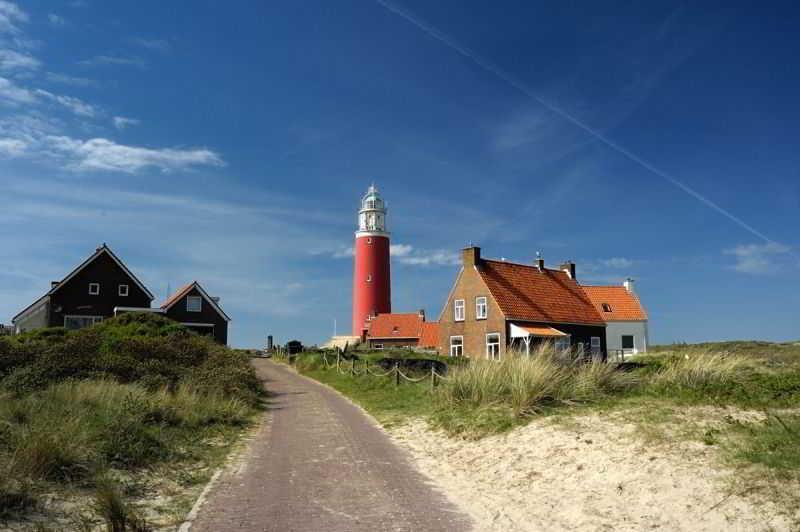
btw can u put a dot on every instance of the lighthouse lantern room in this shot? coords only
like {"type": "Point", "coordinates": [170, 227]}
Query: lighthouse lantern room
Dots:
{"type": "Point", "coordinates": [371, 275]}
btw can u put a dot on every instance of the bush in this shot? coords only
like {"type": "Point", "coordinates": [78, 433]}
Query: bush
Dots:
{"type": "Point", "coordinates": [697, 370]}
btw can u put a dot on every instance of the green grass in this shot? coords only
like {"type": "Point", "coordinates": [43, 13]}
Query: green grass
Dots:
{"type": "Point", "coordinates": [128, 399]}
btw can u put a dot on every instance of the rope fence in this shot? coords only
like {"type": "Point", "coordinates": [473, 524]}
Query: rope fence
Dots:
{"type": "Point", "coordinates": [350, 367]}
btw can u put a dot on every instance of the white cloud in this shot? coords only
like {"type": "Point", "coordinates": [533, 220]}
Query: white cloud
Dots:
{"type": "Point", "coordinates": [114, 60]}
{"type": "Point", "coordinates": [104, 154]}
{"type": "Point", "coordinates": [56, 20]}
{"type": "Point", "coordinates": [13, 61]}
{"type": "Point", "coordinates": [12, 147]}
{"type": "Point", "coordinates": [757, 259]}
{"type": "Point", "coordinates": [159, 45]}
{"type": "Point", "coordinates": [437, 257]}
{"type": "Point", "coordinates": [77, 106]}
{"type": "Point", "coordinates": [70, 80]}
{"type": "Point", "coordinates": [344, 252]}
{"type": "Point", "coordinates": [617, 262]}
{"type": "Point", "coordinates": [14, 94]}
{"type": "Point", "coordinates": [10, 15]}
{"type": "Point", "coordinates": [121, 122]}
{"type": "Point", "coordinates": [400, 250]}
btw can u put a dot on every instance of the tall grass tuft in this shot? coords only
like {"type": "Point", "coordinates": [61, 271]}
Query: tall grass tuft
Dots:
{"type": "Point", "coordinates": [697, 370]}
{"type": "Point", "coordinates": [111, 507]}
{"type": "Point", "coordinates": [528, 383]}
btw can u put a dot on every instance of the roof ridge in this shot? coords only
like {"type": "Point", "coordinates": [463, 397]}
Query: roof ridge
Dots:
{"type": "Point", "coordinates": [513, 263]}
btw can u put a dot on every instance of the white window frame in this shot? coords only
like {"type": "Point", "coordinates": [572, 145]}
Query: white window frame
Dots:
{"type": "Point", "coordinates": [96, 291]}
{"type": "Point", "coordinates": [459, 347]}
{"type": "Point", "coordinates": [622, 342]}
{"type": "Point", "coordinates": [193, 298]}
{"type": "Point", "coordinates": [562, 343]}
{"type": "Point", "coordinates": [459, 304]}
{"type": "Point", "coordinates": [121, 292]}
{"type": "Point", "coordinates": [378, 346]}
{"type": "Point", "coordinates": [481, 308]}
{"type": "Point", "coordinates": [95, 319]}
{"type": "Point", "coordinates": [493, 348]}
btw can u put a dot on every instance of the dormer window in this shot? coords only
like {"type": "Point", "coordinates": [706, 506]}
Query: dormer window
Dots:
{"type": "Point", "coordinates": [606, 307]}
{"type": "Point", "coordinates": [194, 304]}
{"type": "Point", "coordinates": [94, 289]}
{"type": "Point", "coordinates": [122, 290]}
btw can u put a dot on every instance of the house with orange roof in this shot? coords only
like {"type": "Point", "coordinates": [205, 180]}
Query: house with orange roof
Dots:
{"type": "Point", "coordinates": [193, 308]}
{"type": "Point", "coordinates": [402, 330]}
{"type": "Point", "coordinates": [496, 305]}
{"type": "Point", "coordinates": [625, 317]}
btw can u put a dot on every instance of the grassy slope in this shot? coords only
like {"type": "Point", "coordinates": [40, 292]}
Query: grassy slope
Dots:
{"type": "Point", "coordinates": [95, 421]}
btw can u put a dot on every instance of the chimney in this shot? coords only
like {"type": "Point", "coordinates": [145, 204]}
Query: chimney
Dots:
{"type": "Point", "coordinates": [471, 256]}
{"type": "Point", "coordinates": [568, 267]}
{"type": "Point", "coordinates": [539, 261]}
{"type": "Point", "coordinates": [422, 314]}
{"type": "Point", "coordinates": [53, 284]}
{"type": "Point", "coordinates": [629, 285]}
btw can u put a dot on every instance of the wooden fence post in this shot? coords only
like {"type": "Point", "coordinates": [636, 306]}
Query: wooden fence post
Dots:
{"type": "Point", "coordinates": [433, 376]}
{"type": "Point", "coordinates": [397, 374]}
{"type": "Point", "coordinates": [338, 354]}
{"type": "Point", "coordinates": [353, 367]}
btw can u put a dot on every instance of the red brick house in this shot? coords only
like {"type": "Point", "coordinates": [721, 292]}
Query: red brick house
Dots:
{"type": "Point", "coordinates": [496, 305]}
{"type": "Point", "coordinates": [402, 330]}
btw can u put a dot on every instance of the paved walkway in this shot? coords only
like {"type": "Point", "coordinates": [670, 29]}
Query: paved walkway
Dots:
{"type": "Point", "coordinates": [320, 464]}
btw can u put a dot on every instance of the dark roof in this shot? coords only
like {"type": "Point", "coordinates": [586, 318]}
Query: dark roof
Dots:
{"type": "Point", "coordinates": [525, 293]}
{"type": "Point", "coordinates": [185, 289]}
{"type": "Point", "coordinates": [99, 251]}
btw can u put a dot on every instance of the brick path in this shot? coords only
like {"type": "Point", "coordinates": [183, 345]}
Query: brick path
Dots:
{"type": "Point", "coordinates": [320, 464]}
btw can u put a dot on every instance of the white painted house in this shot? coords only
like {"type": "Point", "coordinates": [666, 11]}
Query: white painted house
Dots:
{"type": "Point", "coordinates": [626, 319]}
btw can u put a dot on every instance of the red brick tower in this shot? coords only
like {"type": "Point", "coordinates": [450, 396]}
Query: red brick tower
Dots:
{"type": "Point", "coordinates": [371, 278]}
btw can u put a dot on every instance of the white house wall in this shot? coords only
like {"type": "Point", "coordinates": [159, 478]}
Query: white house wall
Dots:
{"type": "Point", "coordinates": [616, 329]}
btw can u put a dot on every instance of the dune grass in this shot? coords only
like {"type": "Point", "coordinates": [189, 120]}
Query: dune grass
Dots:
{"type": "Point", "coordinates": [95, 413]}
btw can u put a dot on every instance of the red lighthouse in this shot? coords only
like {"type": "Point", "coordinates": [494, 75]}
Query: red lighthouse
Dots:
{"type": "Point", "coordinates": [371, 278]}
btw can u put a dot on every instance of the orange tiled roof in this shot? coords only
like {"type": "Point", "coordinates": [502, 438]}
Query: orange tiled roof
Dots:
{"type": "Point", "coordinates": [396, 326]}
{"type": "Point", "coordinates": [430, 334]}
{"type": "Point", "coordinates": [526, 294]}
{"type": "Point", "coordinates": [625, 306]}
{"type": "Point", "coordinates": [179, 293]}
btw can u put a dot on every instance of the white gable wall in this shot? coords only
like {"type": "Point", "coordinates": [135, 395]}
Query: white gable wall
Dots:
{"type": "Point", "coordinates": [616, 329]}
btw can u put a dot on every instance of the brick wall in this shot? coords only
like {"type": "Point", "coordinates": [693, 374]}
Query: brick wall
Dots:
{"type": "Point", "coordinates": [469, 286]}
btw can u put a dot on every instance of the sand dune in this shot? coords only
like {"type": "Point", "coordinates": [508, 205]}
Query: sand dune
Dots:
{"type": "Point", "coordinates": [592, 474]}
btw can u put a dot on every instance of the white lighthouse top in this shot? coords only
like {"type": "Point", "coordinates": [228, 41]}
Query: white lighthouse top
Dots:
{"type": "Point", "coordinates": [372, 215]}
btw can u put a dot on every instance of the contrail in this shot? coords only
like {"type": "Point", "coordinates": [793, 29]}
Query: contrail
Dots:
{"type": "Point", "coordinates": [523, 88]}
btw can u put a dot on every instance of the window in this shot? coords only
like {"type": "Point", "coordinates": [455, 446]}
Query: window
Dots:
{"type": "Point", "coordinates": [627, 341]}
{"type": "Point", "coordinates": [459, 309]}
{"type": "Point", "coordinates": [94, 289]}
{"type": "Point", "coordinates": [123, 290]}
{"type": "Point", "coordinates": [595, 345]}
{"type": "Point", "coordinates": [79, 322]}
{"type": "Point", "coordinates": [493, 346]}
{"type": "Point", "coordinates": [378, 346]}
{"type": "Point", "coordinates": [606, 307]}
{"type": "Point", "coordinates": [456, 346]}
{"type": "Point", "coordinates": [369, 278]}
{"type": "Point", "coordinates": [562, 343]}
{"type": "Point", "coordinates": [480, 308]}
{"type": "Point", "coordinates": [194, 304]}
{"type": "Point", "coordinates": [369, 240]}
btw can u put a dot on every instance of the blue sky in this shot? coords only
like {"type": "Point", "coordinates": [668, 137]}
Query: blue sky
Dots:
{"type": "Point", "coordinates": [230, 144]}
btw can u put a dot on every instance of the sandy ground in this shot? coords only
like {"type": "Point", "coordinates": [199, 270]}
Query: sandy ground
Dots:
{"type": "Point", "coordinates": [593, 473]}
